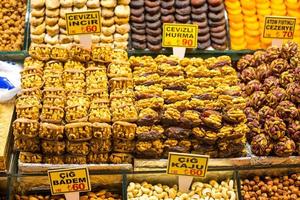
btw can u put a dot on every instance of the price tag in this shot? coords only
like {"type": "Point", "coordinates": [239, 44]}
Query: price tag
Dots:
{"type": "Point", "coordinates": [279, 27]}
{"type": "Point", "coordinates": [87, 22]}
{"type": "Point", "coordinates": [187, 164]}
{"type": "Point", "coordinates": [180, 35]}
{"type": "Point", "coordinates": [69, 181]}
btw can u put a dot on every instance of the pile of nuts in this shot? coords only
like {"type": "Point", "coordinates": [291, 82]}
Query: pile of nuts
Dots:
{"type": "Point", "coordinates": [271, 84]}
{"type": "Point", "coordinates": [12, 20]}
{"type": "Point", "coordinates": [101, 195]}
{"type": "Point", "coordinates": [274, 188]}
{"type": "Point", "coordinates": [199, 191]}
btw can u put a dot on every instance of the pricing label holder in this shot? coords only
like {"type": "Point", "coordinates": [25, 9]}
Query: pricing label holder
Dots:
{"type": "Point", "coordinates": [180, 37]}
{"type": "Point", "coordinates": [72, 196]}
{"type": "Point", "coordinates": [187, 166]}
{"type": "Point", "coordinates": [84, 24]}
{"type": "Point", "coordinates": [69, 182]}
{"type": "Point", "coordinates": [279, 28]}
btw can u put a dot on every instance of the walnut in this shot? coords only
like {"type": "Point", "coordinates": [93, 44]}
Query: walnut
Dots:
{"type": "Point", "coordinates": [124, 130]}
{"type": "Point", "coordinates": [80, 131]}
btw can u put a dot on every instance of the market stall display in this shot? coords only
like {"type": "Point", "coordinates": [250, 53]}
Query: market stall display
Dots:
{"type": "Point", "coordinates": [188, 105]}
{"type": "Point", "coordinates": [199, 190]}
{"type": "Point", "coordinates": [76, 111]}
{"type": "Point", "coordinates": [48, 22]}
{"type": "Point", "coordinates": [63, 107]}
{"type": "Point", "coordinates": [271, 81]}
{"type": "Point", "coordinates": [246, 21]}
{"type": "Point", "coordinates": [147, 18]}
{"type": "Point", "coordinates": [121, 115]}
{"type": "Point", "coordinates": [12, 27]}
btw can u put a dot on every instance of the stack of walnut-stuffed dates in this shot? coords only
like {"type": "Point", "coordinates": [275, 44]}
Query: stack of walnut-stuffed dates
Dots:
{"type": "Point", "coordinates": [188, 105]}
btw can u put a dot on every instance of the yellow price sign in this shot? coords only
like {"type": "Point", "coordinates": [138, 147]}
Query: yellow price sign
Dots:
{"type": "Point", "coordinates": [180, 35]}
{"type": "Point", "coordinates": [69, 180]}
{"type": "Point", "coordinates": [187, 164]}
{"type": "Point", "coordinates": [87, 22]}
{"type": "Point", "coordinates": [279, 27]}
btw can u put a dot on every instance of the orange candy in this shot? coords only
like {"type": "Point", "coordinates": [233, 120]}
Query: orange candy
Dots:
{"type": "Point", "coordinates": [247, 12]}
{"type": "Point", "coordinates": [263, 6]}
{"type": "Point", "coordinates": [235, 18]}
{"type": "Point", "coordinates": [252, 32]}
{"type": "Point", "coordinates": [240, 46]}
{"type": "Point", "coordinates": [248, 4]}
{"type": "Point", "coordinates": [237, 33]}
{"type": "Point", "coordinates": [252, 19]}
{"type": "Point", "coordinates": [235, 11]}
{"type": "Point", "coordinates": [279, 12]}
{"type": "Point", "coordinates": [253, 46]}
{"type": "Point", "coordinates": [236, 26]}
{"type": "Point", "coordinates": [252, 39]}
{"type": "Point", "coordinates": [278, 7]}
{"type": "Point", "coordinates": [264, 12]}
{"type": "Point", "coordinates": [237, 40]}
{"type": "Point", "coordinates": [252, 26]}
{"type": "Point", "coordinates": [232, 5]}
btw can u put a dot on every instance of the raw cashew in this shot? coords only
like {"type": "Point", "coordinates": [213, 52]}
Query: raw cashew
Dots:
{"type": "Point", "coordinates": [206, 191]}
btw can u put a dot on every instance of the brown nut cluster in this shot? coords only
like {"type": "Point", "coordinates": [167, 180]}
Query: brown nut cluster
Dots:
{"type": "Point", "coordinates": [123, 146]}
{"type": "Point", "coordinates": [98, 158]}
{"type": "Point", "coordinates": [53, 147]}
{"type": "Point", "coordinates": [124, 130]}
{"type": "Point", "coordinates": [80, 131]}
{"type": "Point", "coordinates": [118, 158]}
{"type": "Point", "coordinates": [98, 113]}
{"type": "Point", "coordinates": [52, 114]}
{"type": "Point", "coordinates": [102, 131]}
{"type": "Point", "coordinates": [27, 157]}
{"type": "Point", "coordinates": [151, 149]}
{"type": "Point", "coordinates": [25, 128]}
{"type": "Point", "coordinates": [78, 148]}
{"type": "Point", "coordinates": [100, 145]}
{"type": "Point", "coordinates": [75, 159]}
{"type": "Point", "coordinates": [273, 97]}
{"type": "Point", "coordinates": [12, 25]}
{"type": "Point", "coordinates": [27, 144]}
{"type": "Point", "coordinates": [274, 188]}
{"type": "Point", "coordinates": [119, 69]}
{"type": "Point", "coordinates": [102, 53]}
{"type": "Point", "coordinates": [51, 131]}
{"type": "Point", "coordinates": [53, 159]}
